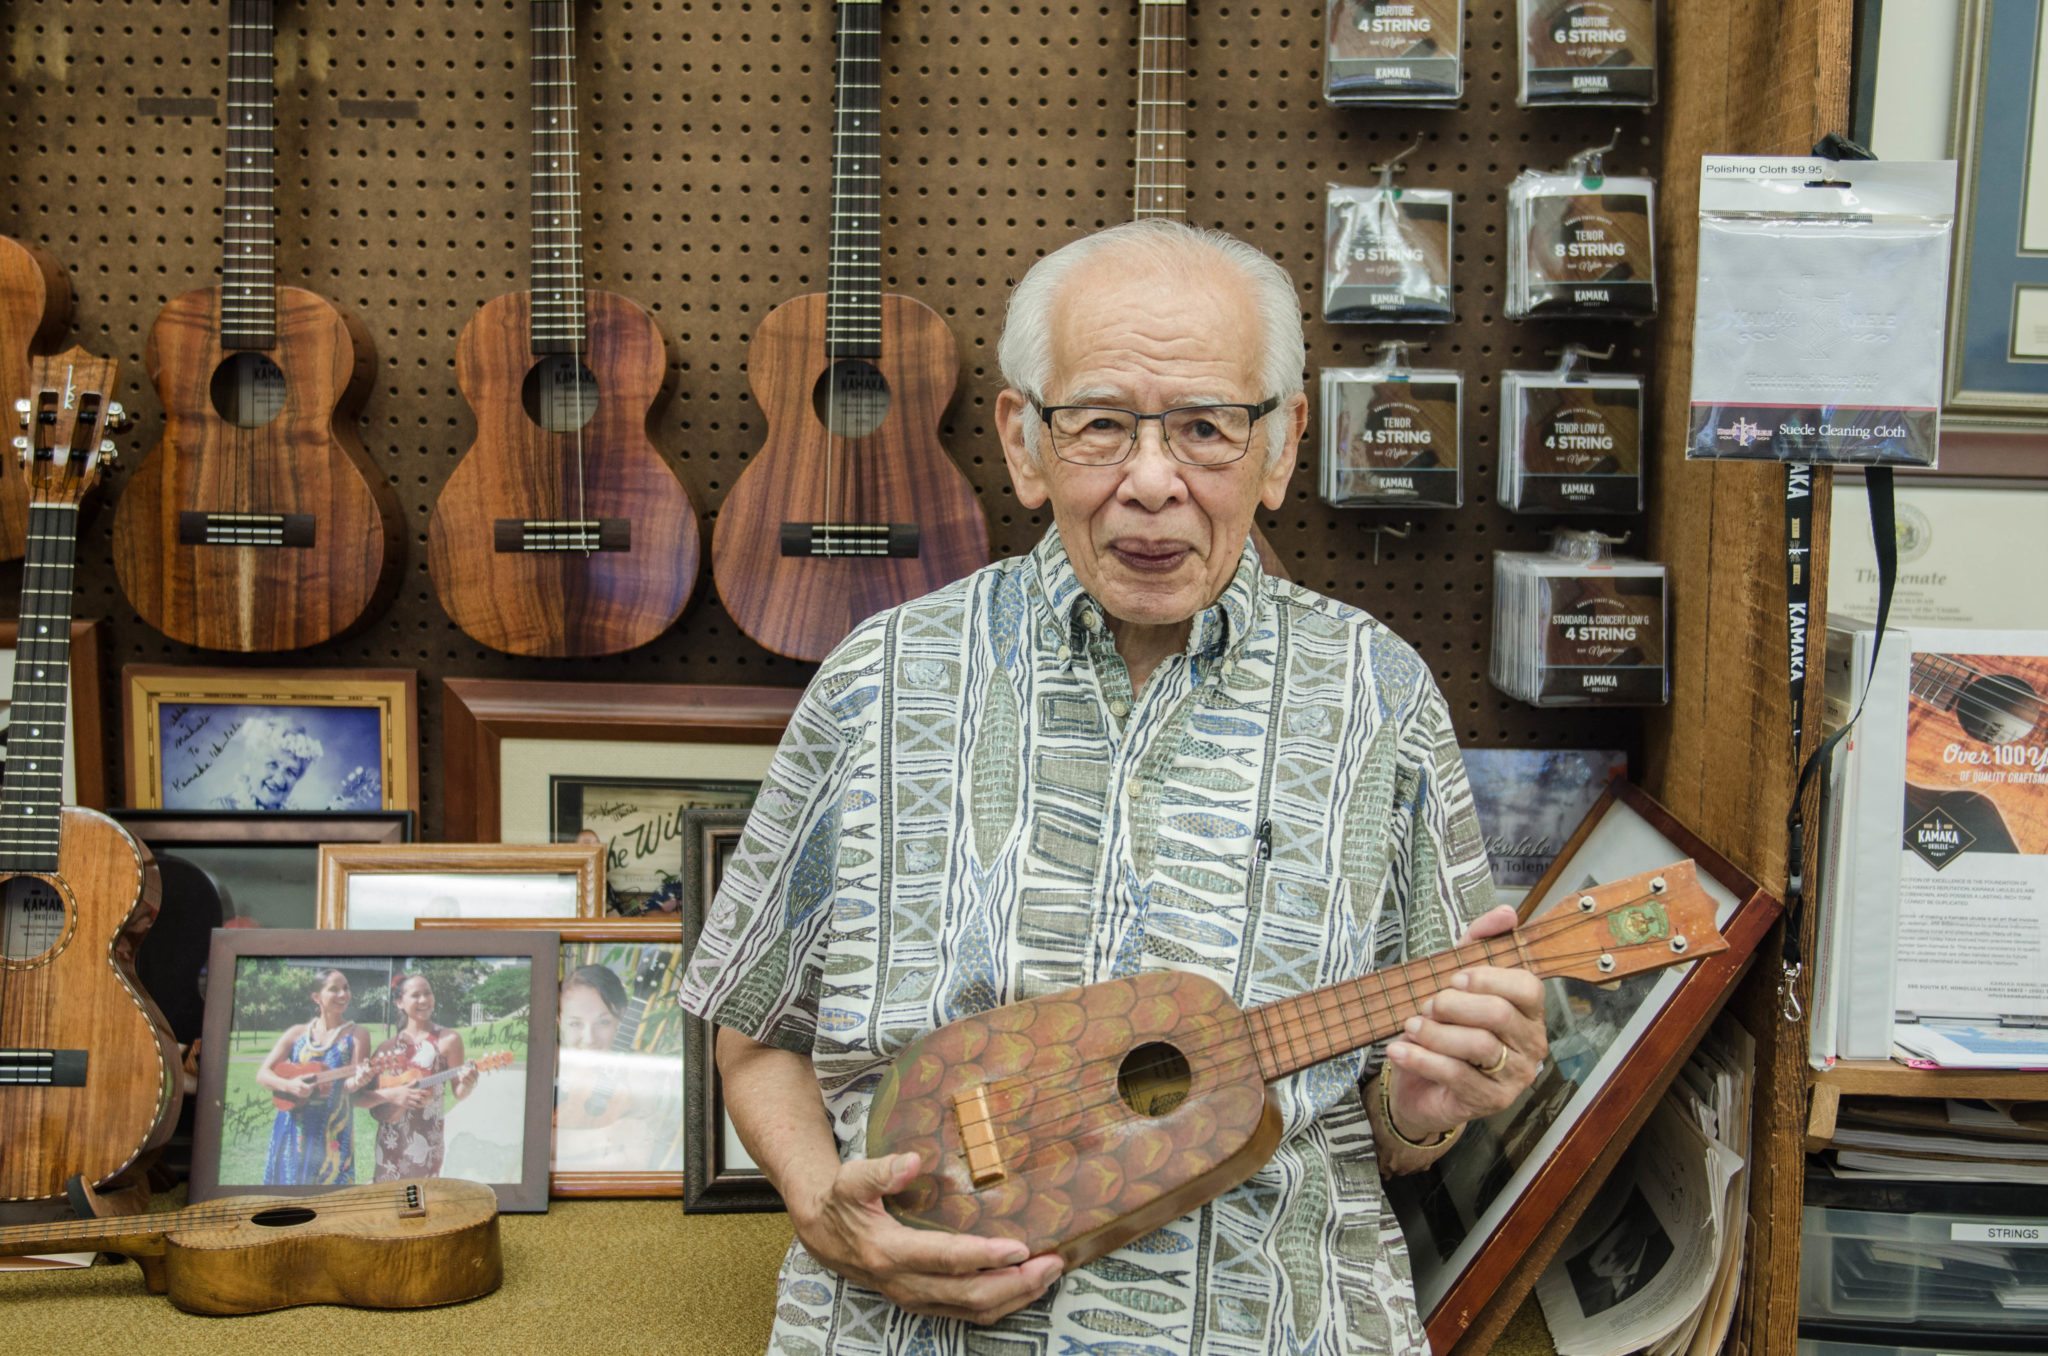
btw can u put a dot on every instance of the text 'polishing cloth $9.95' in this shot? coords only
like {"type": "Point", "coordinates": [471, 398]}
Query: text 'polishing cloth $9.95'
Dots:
{"type": "Point", "coordinates": [1823, 292]}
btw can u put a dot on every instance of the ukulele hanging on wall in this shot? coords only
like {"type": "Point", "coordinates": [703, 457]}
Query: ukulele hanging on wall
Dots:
{"type": "Point", "coordinates": [35, 309]}
{"type": "Point", "coordinates": [852, 505]}
{"type": "Point", "coordinates": [562, 531]}
{"type": "Point", "coordinates": [257, 522]}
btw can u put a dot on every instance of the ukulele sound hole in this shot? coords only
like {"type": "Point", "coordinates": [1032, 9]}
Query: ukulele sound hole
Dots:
{"type": "Point", "coordinates": [851, 398]}
{"type": "Point", "coordinates": [282, 1216]}
{"type": "Point", "coordinates": [560, 393]}
{"type": "Point", "coordinates": [1998, 710]}
{"type": "Point", "coordinates": [1153, 1079]}
{"type": "Point", "coordinates": [248, 390]}
{"type": "Point", "coordinates": [34, 919]}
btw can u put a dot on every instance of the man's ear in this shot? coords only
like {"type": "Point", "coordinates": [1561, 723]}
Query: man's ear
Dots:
{"type": "Point", "coordinates": [1026, 476]}
{"type": "Point", "coordinates": [1273, 487]}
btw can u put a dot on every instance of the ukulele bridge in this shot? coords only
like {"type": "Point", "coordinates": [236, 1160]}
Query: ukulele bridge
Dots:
{"type": "Point", "coordinates": [850, 539]}
{"type": "Point", "coordinates": [977, 1136]}
{"type": "Point", "coordinates": [43, 1068]}
{"type": "Point", "coordinates": [245, 529]}
{"type": "Point", "coordinates": [517, 535]}
{"type": "Point", "coordinates": [410, 1203]}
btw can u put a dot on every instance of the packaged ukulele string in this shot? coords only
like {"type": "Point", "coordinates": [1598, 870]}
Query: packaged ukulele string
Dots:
{"type": "Point", "coordinates": [1571, 439]}
{"type": "Point", "coordinates": [1390, 435]}
{"type": "Point", "coordinates": [1394, 52]}
{"type": "Point", "coordinates": [1588, 52]}
{"type": "Point", "coordinates": [1579, 243]}
{"type": "Point", "coordinates": [1388, 252]}
{"type": "Point", "coordinates": [1579, 626]}
{"type": "Point", "coordinates": [1822, 309]}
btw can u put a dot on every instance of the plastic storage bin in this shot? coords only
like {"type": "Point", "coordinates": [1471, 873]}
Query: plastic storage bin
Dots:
{"type": "Point", "coordinates": [1821, 1346]}
{"type": "Point", "coordinates": [1938, 1269]}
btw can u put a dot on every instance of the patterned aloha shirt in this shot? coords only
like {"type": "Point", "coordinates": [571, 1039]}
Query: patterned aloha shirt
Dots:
{"type": "Point", "coordinates": [970, 808]}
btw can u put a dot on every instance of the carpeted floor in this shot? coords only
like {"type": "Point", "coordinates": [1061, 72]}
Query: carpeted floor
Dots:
{"type": "Point", "coordinates": [607, 1278]}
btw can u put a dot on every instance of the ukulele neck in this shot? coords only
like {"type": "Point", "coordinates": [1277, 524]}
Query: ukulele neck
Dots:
{"type": "Point", "coordinates": [557, 209]}
{"type": "Point", "coordinates": [1162, 166]}
{"type": "Point", "coordinates": [118, 1233]}
{"type": "Point", "coordinates": [1940, 679]}
{"type": "Point", "coordinates": [853, 312]}
{"type": "Point", "coordinates": [248, 303]}
{"type": "Point", "coordinates": [32, 792]}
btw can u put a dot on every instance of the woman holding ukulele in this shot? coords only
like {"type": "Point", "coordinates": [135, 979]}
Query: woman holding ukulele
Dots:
{"type": "Point", "coordinates": [410, 1130]}
{"type": "Point", "coordinates": [314, 1145]}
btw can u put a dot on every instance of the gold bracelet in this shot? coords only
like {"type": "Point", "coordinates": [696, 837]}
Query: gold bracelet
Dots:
{"type": "Point", "coordinates": [1442, 1141]}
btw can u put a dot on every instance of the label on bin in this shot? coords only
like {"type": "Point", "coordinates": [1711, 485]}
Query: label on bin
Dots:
{"type": "Point", "coordinates": [2018, 1235]}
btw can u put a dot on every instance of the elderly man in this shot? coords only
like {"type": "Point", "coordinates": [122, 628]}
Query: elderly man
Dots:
{"type": "Point", "coordinates": [1128, 749]}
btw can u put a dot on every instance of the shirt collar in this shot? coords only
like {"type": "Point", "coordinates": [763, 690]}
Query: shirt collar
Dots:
{"type": "Point", "coordinates": [1217, 628]}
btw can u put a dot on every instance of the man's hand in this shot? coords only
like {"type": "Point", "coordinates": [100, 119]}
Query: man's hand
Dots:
{"type": "Point", "coordinates": [945, 1275]}
{"type": "Point", "coordinates": [1477, 1045]}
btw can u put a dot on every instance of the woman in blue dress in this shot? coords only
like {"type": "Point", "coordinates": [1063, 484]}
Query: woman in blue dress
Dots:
{"type": "Point", "coordinates": [314, 1144]}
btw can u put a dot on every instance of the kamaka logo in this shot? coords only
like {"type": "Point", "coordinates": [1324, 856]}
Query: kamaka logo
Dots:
{"type": "Point", "coordinates": [1743, 432]}
{"type": "Point", "coordinates": [1938, 839]}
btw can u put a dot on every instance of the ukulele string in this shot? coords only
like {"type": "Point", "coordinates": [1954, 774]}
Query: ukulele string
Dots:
{"type": "Point", "coordinates": [1964, 692]}
{"type": "Point", "coordinates": [218, 1216]}
{"type": "Point", "coordinates": [574, 295]}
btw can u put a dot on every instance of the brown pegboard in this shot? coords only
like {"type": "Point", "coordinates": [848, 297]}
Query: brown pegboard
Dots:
{"type": "Point", "coordinates": [401, 140]}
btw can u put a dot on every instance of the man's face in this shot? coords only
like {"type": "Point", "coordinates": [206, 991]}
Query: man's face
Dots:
{"type": "Point", "coordinates": [1153, 539]}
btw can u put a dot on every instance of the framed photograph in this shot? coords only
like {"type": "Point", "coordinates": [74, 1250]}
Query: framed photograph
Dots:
{"type": "Point", "coordinates": [642, 823]}
{"type": "Point", "coordinates": [619, 1061]}
{"type": "Point", "coordinates": [271, 739]}
{"type": "Point", "coordinates": [1482, 1221]}
{"type": "Point", "coordinates": [718, 1174]}
{"type": "Point", "coordinates": [85, 769]}
{"type": "Point", "coordinates": [505, 742]}
{"type": "Point", "coordinates": [370, 887]}
{"type": "Point", "coordinates": [336, 1058]}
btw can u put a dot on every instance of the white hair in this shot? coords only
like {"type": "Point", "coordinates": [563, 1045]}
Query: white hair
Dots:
{"type": "Point", "coordinates": [1194, 253]}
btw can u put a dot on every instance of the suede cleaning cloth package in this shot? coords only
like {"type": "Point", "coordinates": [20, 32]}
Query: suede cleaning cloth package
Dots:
{"type": "Point", "coordinates": [1823, 297]}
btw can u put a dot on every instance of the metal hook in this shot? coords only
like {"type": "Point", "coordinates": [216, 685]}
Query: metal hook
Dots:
{"type": "Point", "coordinates": [1788, 994]}
{"type": "Point", "coordinates": [1387, 530]}
{"type": "Point", "coordinates": [1394, 354]}
{"type": "Point", "coordinates": [1589, 163]}
{"type": "Point", "coordinates": [1387, 169]}
{"type": "Point", "coordinates": [1574, 358]}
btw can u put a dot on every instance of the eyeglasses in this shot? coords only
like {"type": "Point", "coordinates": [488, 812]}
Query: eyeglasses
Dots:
{"type": "Point", "coordinates": [1200, 435]}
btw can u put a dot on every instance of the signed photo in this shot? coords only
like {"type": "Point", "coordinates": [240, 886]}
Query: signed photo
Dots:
{"type": "Point", "coordinates": [641, 822]}
{"type": "Point", "coordinates": [245, 757]}
{"type": "Point", "coordinates": [619, 1060]}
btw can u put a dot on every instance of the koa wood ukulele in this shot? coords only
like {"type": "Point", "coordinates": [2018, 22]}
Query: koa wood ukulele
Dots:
{"type": "Point", "coordinates": [35, 308]}
{"type": "Point", "coordinates": [395, 1245]}
{"type": "Point", "coordinates": [1077, 1122]}
{"type": "Point", "coordinates": [562, 531]}
{"type": "Point", "coordinates": [258, 522]}
{"type": "Point", "coordinates": [88, 1071]}
{"type": "Point", "coordinates": [852, 505]}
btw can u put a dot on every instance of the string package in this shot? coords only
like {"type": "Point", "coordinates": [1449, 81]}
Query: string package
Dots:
{"type": "Point", "coordinates": [1588, 52]}
{"type": "Point", "coordinates": [1390, 435]}
{"type": "Point", "coordinates": [1579, 243]}
{"type": "Point", "coordinates": [1822, 302]}
{"type": "Point", "coordinates": [1579, 626]}
{"type": "Point", "coordinates": [1571, 439]}
{"type": "Point", "coordinates": [1394, 52]}
{"type": "Point", "coordinates": [1388, 252]}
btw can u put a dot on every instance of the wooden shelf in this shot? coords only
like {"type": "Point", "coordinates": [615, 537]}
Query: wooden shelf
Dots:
{"type": "Point", "coordinates": [1885, 1078]}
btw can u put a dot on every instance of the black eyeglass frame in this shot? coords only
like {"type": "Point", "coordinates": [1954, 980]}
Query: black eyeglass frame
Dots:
{"type": "Point", "coordinates": [1257, 412]}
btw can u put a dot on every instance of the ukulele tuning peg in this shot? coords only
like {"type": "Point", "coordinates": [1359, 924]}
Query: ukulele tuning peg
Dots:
{"type": "Point", "coordinates": [117, 417]}
{"type": "Point", "coordinates": [109, 451]}
{"type": "Point", "coordinates": [22, 407]}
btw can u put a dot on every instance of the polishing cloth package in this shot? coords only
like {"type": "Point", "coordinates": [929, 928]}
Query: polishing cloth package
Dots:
{"type": "Point", "coordinates": [1579, 244]}
{"type": "Point", "coordinates": [1823, 295]}
{"type": "Point", "coordinates": [1390, 436]}
{"type": "Point", "coordinates": [1389, 254]}
{"type": "Point", "coordinates": [1588, 52]}
{"type": "Point", "coordinates": [1394, 52]}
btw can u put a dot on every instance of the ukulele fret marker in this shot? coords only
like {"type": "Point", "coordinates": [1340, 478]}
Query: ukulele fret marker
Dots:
{"type": "Point", "coordinates": [898, 540]}
{"type": "Point", "coordinates": [562, 534]}
{"type": "Point", "coordinates": [245, 529]}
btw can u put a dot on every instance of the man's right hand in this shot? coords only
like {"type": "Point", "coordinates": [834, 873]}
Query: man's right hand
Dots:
{"type": "Point", "coordinates": [844, 1225]}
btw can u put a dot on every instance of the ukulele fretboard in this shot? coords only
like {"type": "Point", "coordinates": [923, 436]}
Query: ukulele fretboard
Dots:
{"type": "Point", "coordinates": [557, 207]}
{"type": "Point", "coordinates": [1161, 149]}
{"type": "Point", "coordinates": [248, 271]}
{"type": "Point", "coordinates": [32, 795]}
{"type": "Point", "coordinates": [853, 315]}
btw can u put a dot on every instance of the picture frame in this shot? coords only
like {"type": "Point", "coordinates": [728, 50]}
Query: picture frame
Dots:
{"type": "Point", "coordinates": [1484, 1220]}
{"type": "Point", "coordinates": [718, 1175]}
{"type": "Point", "coordinates": [502, 739]}
{"type": "Point", "coordinates": [642, 822]}
{"type": "Point", "coordinates": [85, 764]}
{"type": "Point", "coordinates": [270, 739]}
{"type": "Point", "coordinates": [242, 1136]}
{"type": "Point", "coordinates": [652, 1023]}
{"type": "Point", "coordinates": [366, 886]}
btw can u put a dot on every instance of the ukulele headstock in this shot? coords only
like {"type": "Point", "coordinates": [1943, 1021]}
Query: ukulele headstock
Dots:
{"type": "Point", "coordinates": [1626, 927]}
{"type": "Point", "coordinates": [65, 417]}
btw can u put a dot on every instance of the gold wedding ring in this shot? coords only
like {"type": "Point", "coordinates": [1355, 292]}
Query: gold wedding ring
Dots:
{"type": "Point", "coordinates": [1501, 1063]}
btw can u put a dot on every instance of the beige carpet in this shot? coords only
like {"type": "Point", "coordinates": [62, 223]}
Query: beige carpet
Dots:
{"type": "Point", "coordinates": [608, 1278]}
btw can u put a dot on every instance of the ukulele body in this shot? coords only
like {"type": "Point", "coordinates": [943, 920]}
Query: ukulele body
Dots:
{"type": "Point", "coordinates": [35, 310]}
{"type": "Point", "coordinates": [563, 602]}
{"type": "Point", "coordinates": [307, 459]}
{"type": "Point", "coordinates": [81, 993]}
{"type": "Point", "coordinates": [1082, 1169]}
{"type": "Point", "coordinates": [801, 606]}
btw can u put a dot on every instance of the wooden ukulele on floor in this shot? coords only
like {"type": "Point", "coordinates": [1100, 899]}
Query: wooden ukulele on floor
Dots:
{"type": "Point", "coordinates": [1991, 706]}
{"type": "Point", "coordinates": [258, 522]}
{"type": "Point", "coordinates": [1077, 1122]}
{"type": "Point", "coordinates": [562, 531]}
{"type": "Point", "coordinates": [35, 309]}
{"type": "Point", "coordinates": [396, 1245]}
{"type": "Point", "coordinates": [852, 505]}
{"type": "Point", "coordinates": [89, 1074]}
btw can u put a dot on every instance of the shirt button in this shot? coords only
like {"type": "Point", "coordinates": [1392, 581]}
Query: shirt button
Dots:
{"type": "Point", "coordinates": [1065, 654]}
{"type": "Point", "coordinates": [1119, 708]}
{"type": "Point", "coordinates": [1091, 621]}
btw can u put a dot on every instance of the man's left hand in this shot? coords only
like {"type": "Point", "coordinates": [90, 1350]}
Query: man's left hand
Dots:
{"type": "Point", "coordinates": [1477, 1045]}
